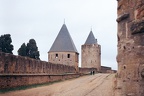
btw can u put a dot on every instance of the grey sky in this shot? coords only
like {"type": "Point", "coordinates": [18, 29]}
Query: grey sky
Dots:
{"type": "Point", "coordinates": [42, 20]}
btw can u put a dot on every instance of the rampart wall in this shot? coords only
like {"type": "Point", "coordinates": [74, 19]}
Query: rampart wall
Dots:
{"type": "Point", "coordinates": [19, 71]}
{"type": "Point", "coordinates": [87, 70]}
{"type": "Point", "coordinates": [11, 64]}
{"type": "Point", "coordinates": [105, 69]}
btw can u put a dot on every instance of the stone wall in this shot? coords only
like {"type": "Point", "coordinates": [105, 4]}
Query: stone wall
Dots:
{"type": "Point", "coordinates": [105, 69]}
{"type": "Point", "coordinates": [130, 58]}
{"type": "Point", "coordinates": [87, 70]}
{"type": "Point", "coordinates": [18, 71]}
{"type": "Point", "coordinates": [15, 80]}
{"type": "Point", "coordinates": [11, 64]}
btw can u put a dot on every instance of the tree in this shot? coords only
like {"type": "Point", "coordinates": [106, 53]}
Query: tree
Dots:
{"type": "Point", "coordinates": [32, 49]}
{"type": "Point", "coordinates": [29, 50]}
{"type": "Point", "coordinates": [22, 50]}
{"type": "Point", "coordinates": [5, 43]}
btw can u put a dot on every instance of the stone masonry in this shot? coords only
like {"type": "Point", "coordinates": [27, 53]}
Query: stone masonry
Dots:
{"type": "Point", "coordinates": [63, 58]}
{"type": "Point", "coordinates": [21, 71]}
{"type": "Point", "coordinates": [11, 64]}
{"type": "Point", "coordinates": [130, 58]}
{"type": "Point", "coordinates": [91, 56]}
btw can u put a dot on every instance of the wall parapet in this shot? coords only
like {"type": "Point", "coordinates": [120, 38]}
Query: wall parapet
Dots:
{"type": "Point", "coordinates": [87, 70]}
{"type": "Point", "coordinates": [11, 64]}
{"type": "Point", "coordinates": [21, 71]}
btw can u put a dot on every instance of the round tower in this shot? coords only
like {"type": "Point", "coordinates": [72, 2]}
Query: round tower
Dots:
{"type": "Point", "coordinates": [63, 50]}
{"type": "Point", "coordinates": [91, 53]}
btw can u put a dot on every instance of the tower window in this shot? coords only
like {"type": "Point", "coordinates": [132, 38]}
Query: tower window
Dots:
{"type": "Point", "coordinates": [68, 55]}
{"type": "Point", "coordinates": [56, 55]}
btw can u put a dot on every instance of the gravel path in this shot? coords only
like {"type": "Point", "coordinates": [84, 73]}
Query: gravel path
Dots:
{"type": "Point", "coordinates": [92, 85]}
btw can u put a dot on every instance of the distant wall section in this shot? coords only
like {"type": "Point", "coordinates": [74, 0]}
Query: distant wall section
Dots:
{"type": "Point", "coordinates": [87, 70]}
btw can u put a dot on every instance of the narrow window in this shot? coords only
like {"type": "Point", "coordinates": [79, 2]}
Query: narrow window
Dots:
{"type": "Point", "coordinates": [56, 56]}
{"type": "Point", "coordinates": [68, 55]}
{"type": "Point", "coordinates": [124, 67]}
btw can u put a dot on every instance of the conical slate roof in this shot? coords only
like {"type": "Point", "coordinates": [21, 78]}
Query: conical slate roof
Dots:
{"type": "Point", "coordinates": [91, 39]}
{"type": "Point", "coordinates": [63, 42]}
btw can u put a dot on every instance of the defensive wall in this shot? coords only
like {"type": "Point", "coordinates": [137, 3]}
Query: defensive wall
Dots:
{"type": "Point", "coordinates": [130, 58]}
{"type": "Point", "coordinates": [87, 70]}
{"type": "Point", "coordinates": [11, 64]}
{"type": "Point", "coordinates": [105, 69]}
{"type": "Point", "coordinates": [19, 71]}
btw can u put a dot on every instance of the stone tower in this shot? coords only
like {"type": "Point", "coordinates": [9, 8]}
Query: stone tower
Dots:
{"type": "Point", "coordinates": [63, 50]}
{"type": "Point", "coordinates": [130, 58]}
{"type": "Point", "coordinates": [91, 53]}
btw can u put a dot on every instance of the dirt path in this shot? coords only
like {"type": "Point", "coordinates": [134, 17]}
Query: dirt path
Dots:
{"type": "Point", "coordinates": [92, 85]}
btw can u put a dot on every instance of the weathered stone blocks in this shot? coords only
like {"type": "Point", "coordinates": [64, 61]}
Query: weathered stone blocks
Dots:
{"type": "Point", "coordinates": [137, 27]}
{"type": "Point", "coordinates": [19, 71]}
{"type": "Point", "coordinates": [130, 56]}
{"type": "Point", "coordinates": [122, 17]}
{"type": "Point", "coordinates": [10, 64]}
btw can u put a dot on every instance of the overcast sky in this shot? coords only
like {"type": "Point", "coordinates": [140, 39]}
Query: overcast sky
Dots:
{"type": "Point", "coordinates": [43, 19]}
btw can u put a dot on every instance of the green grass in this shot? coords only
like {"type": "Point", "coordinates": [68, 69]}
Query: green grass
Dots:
{"type": "Point", "coordinates": [27, 87]}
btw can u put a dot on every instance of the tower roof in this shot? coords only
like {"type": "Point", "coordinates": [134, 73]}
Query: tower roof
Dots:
{"type": "Point", "coordinates": [91, 39]}
{"type": "Point", "coordinates": [63, 42]}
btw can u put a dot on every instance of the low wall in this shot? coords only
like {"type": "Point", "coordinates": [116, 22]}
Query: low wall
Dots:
{"type": "Point", "coordinates": [105, 69]}
{"type": "Point", "coordinates": [87, 70]}
{"type": "Point", "coordinates": [11, 81]}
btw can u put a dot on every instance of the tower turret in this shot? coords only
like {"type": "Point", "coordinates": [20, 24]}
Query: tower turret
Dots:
{"type": "Point", "coordinates": [63, 50]}
{"type": "Point", "coordinates": [91, 53]}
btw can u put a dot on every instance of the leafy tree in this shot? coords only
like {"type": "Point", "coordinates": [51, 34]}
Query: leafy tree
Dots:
{"type": "Point", "coordinates": [31, 50]}
{"type": "Point", "coordinates": [22, 50]}
{"type": "Point", "coordinates": [5, 43]}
